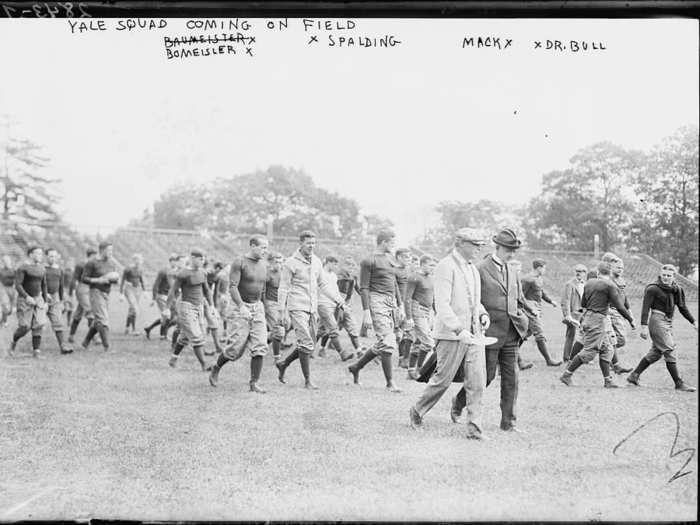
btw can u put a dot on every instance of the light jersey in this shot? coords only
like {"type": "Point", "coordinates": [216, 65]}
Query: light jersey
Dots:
{"type": "Point", "coordinates": [332, 279]}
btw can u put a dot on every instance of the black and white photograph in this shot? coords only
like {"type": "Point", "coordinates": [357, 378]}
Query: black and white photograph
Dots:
{"type": "Point", "coordinates": [348, 265]}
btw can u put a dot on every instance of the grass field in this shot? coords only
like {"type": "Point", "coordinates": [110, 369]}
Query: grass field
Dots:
{"type": "Point", "coordinates": [122, 435]}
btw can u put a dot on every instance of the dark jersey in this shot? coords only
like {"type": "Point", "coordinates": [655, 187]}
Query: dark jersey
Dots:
{"type": "Point", "coordinates": [598, 294]}
{"type": "Point", "coordinates": [30, 280]}
{"type": "Point", "coordinates": [133, 276]}
{"type": "Point", "coordinates": [161, 286]}
{"type": "Point", "coordinates": [421, 289]}
{"type": "Point", "coordinates": [378, 275]}
{"type": "Point", "coordinates": [193, 286]}
{"type": "Point", "coordinates": [249, 277]}
{"type": "Point", "coordinates": [533, 289]}
{"type": "Point", "coordinates": [98, 268]}
{"type": "Point", "coordinates": [347, 284]}
{"type": "Point", "coordinates": [54, 281]}
{"type": "Point", "coordinates": [272, 285]}
{"type": "Point", "coordinates": [403, 275]}
{"type": "Point", "coordinates": [665, 299]}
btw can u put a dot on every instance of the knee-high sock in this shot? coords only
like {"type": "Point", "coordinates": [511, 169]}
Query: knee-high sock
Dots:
{"type": "Point", "coordinates": [355, 342]}
{"type": "Point", "coordinates": [90, 334]}
{"type": "Point", "coordinates": [275, 347]}
{"type": "Point", "coordinates": [368, 356]}
{"type": "Point", "coordinates": [386, 367]}
{"type": "Point", "coordinates": [104, 335]}
{"type": "Point", "coordinates": [574, 364]}
{"type": "Point", "coordinates": [20, 333]}
{"type": "Point", "coordinates": [36, 342]}
{"type": "Point", "coordinates": [578, 346]}
{"type": "Point", "coordinates": [421, 357]}
{"type": "Point", "coordinates": [604, 368]}
{"type": "Point", "coordinates": [642, 366]}
{"type": "Point", "coordinates": [256, 364]}
{"type": "Point", "coordinates": [177, 348]}
{"type": "Point", "coordinates": [59, 338]}
{"type": "Point", "coordinates": [74, 325]}
{"type": "Point", "coordinates": [221, 361]}
{"type": "Point", "coordinates": [305, 367]}
{"type": "Point", "coordinates": [291, 357]}
{"type": "Point", "coordinates": [673, 370]}
{"type": "Point", "coordinates": [197, 349]}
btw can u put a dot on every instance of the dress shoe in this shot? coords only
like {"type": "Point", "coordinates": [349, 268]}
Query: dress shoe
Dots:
{"type": "Point", "coordinates": [566, 379]}
{"type": "Point", "coordinates": [208, 352]}
{"type": "Point", "coordinates": [257, 389]}
{"type": "Point", "coordinates": [525, 366]}
{"type": "Point", "coordinates": [206, 368]}
{"type": "Point", "coordinates": [633, 379]}
{"type": "Point", "coordinates": [37, 355]}
{"type": "Point", "coordinates": [685, 388]}
{"type": "Point", "coordinates": [412, 374]}
{"type": "Point", "coordinates": [172, 362]}
{"type": "Point", "coordinates": [66, 350]}
{"type": "Point", "coordinates": [414, 419]}
{"type": "Point", "coordinates": [553, 363]}
{"type": "Point", "coordinates": [513, 429]}
{"type": "Point", "coordinates": [455, 411]}
{"type": "Point", "coordinates": [473, 432]}
{"type": "Point", "coordinates": [310, 386]}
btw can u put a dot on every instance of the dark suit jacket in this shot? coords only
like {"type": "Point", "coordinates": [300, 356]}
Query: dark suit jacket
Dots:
{"type": "Point", "coordinates": [503, 300]}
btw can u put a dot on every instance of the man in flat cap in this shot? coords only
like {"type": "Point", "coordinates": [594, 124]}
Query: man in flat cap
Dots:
{"type": "Point", "coordinates": [501, 295]}
{"type": "Point", "coordinates": [459, 325]}
{"type": "Point", "coordinates": [571, 307]}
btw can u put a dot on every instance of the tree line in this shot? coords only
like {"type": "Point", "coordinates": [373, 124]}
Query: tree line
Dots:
{"type": "Point", "coordinates": [633, 200]}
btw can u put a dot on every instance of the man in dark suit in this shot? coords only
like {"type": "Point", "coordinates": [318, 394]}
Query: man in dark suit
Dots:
{"type": "Point", "coordinates": [501, 295]}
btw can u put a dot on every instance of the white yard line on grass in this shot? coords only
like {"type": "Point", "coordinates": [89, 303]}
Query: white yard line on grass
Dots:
{"type": "Point", "coordinates": [26, 502]}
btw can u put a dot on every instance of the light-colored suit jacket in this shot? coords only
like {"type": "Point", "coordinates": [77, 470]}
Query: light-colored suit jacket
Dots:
{"type": "Point", "coordinates": [571, 300]}
{"type": "Point", "coordinates": [454, 298]}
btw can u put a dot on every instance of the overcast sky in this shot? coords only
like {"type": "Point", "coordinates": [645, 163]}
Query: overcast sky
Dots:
{"type": "Point", "coordinates": [396, 129]}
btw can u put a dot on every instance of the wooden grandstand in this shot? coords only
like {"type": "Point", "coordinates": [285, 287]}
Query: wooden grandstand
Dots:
{"type": "Point", "coordinates": [157, 244]}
